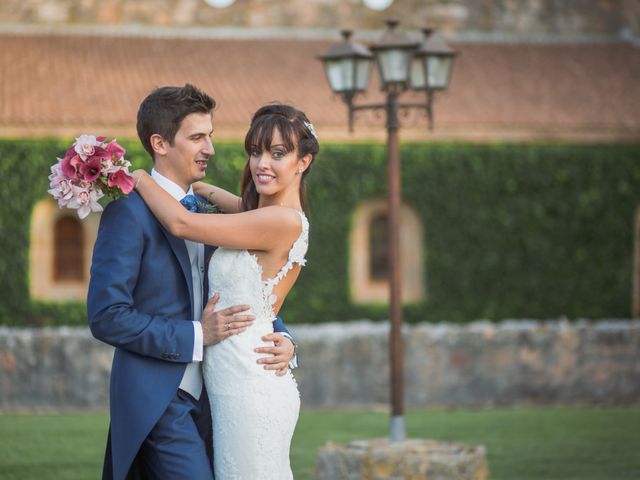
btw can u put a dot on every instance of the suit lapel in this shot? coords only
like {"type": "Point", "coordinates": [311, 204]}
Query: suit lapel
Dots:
{"type": "Point", "coordinates": [208, 251]}
{"type": "Point", "coordinates": [180, 251]}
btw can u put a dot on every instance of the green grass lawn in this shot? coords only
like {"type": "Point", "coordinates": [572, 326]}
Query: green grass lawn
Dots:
{"type": "Point", "coordinates": [523, 444]}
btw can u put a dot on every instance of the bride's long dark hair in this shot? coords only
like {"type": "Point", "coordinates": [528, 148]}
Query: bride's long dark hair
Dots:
{"type": "Point", "coordinates": [297, 134]}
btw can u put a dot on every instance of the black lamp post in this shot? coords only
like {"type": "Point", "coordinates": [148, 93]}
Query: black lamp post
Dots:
{"type": "Point", "coordinates": [402, 64]}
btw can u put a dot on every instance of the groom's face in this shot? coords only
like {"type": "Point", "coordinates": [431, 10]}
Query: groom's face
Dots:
{"type": "Point", "coordinates": [186, 160]}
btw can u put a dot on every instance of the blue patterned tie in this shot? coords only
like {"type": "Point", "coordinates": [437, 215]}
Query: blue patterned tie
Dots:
{"type": "Point", "coordinates": [190, 203]}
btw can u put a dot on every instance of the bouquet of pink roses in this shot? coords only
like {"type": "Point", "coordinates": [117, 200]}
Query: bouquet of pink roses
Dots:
{"type": "Point", "coordinates": [90, 169]}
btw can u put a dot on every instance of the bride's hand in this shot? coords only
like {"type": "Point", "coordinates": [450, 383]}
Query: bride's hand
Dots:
{"type": "Point", "coordinates": [137, 175]}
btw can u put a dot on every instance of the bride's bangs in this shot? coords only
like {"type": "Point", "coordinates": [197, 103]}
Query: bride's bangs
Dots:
{"type": "Point", "coordinates": [261, 133]}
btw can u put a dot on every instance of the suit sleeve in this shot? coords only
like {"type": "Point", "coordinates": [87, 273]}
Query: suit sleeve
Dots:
{"type": "Point", "coordinates": [280, 327]}
{"type": "Point", "coordinates": [113, 317]}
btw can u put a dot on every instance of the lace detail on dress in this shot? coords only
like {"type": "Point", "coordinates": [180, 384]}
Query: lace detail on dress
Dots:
{"type": "Point", "coordinates": [296, 255]}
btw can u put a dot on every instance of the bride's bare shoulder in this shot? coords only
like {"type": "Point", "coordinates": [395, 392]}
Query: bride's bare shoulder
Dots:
{"type": "Point", "coordinates": [286, 219]}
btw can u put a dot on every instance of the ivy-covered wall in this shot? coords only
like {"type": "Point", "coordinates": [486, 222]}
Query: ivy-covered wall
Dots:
{"type": "Point", "coordinates": [511, 230]}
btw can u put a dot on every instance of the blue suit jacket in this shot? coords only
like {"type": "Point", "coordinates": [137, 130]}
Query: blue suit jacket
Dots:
{"type": "Point", "coordinates": [140, 301]}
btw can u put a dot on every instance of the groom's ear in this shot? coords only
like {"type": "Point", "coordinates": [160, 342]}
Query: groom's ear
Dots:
{"type": "Point", "coordinates": [158, 144]}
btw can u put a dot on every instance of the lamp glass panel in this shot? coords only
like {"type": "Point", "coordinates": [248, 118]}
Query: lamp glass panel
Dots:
{"type": "Point", "coordinates": [363, 72]}
{"type": "Point", "coordinates": [438, 71]}
{"type": "Point", "coordinates": [417, 73]}
{"type": "Point", "coordinates": [394, 64]}
{"type": "Point", "coordinates": [340, 74]}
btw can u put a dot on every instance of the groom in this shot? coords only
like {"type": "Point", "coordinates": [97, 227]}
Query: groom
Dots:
{"type": "Point", "coordinates": [146, 298]}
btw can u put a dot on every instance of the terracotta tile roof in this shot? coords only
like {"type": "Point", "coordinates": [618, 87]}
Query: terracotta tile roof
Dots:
{"type": "Point", "coordinates": [54, 84]}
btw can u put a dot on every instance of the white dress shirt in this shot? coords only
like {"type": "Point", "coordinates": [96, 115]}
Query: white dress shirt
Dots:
{"type": "Point", "coordinates": [192, 379]}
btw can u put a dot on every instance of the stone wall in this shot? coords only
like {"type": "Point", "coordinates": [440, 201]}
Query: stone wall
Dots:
{"type": "Point", "coordinates": [346, 364]}
{"type": "Point", "coordinates": [532, 16]}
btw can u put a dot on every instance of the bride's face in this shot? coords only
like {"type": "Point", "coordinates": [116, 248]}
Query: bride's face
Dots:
{"type": "Point", "coordinates": [275, 170]}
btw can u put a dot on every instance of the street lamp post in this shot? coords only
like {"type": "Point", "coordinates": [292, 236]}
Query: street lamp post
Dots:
{"type": "Point", "coordinates": [402, 64]}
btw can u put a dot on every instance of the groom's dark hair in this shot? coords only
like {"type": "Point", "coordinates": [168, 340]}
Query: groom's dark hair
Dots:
{"type": "Point", "coordinates": [164, 109]}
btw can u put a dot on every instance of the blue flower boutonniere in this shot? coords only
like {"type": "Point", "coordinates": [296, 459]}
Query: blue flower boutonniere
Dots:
{"type": "Point", "coordinates": [193, 204]}
{"type": "Point", "coordinates": [206, 207]}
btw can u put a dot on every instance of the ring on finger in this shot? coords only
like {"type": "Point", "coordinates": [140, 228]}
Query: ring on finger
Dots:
{"type": "Point", "coordinates": [227, 326]}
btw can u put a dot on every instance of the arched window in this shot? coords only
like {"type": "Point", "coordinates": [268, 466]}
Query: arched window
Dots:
{"type": "Point", "coordinates": [368, 264]}
{"type": "Point", "coordinates": [68, 250]}
{"type": "Point", "coordinates": [378, 247]}
{"type": "Point", "coordinates": [60, 252]}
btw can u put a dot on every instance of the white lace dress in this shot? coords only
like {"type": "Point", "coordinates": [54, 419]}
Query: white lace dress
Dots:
{"type": "Point", "coordinates": [254, 411]}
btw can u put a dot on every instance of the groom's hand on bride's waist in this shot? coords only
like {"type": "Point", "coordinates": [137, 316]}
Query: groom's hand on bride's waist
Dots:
{"type": "Point", "coordinates": [217, 326]}
{"type": "Point", "coordinates": [278, 356]}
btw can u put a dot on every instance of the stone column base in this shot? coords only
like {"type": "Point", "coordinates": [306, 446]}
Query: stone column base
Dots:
{"type": "Point", "coordinates": [413, 459]}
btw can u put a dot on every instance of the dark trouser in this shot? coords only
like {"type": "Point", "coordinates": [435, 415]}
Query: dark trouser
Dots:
{"type": "Point", "coordinates": [179, 446]}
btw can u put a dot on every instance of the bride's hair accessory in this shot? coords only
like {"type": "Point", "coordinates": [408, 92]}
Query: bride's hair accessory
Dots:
{"type": "Point", "coordinates": [312, 130]}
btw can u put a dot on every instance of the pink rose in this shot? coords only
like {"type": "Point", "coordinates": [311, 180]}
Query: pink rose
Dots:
{"type": "Point", "coordinates": [123, 180]}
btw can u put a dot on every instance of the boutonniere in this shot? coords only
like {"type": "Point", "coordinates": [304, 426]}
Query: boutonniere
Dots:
{"type": "Point", "coordinates": [206, 207]}
{"type": "Point", "coordinates": [194, 205]}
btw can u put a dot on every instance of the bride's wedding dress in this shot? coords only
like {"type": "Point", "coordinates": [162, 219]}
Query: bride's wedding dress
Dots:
{"type": "Point", "coordinates": [254, 411]}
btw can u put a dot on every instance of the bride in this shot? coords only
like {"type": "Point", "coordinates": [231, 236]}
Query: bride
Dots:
{"type": "Point", "coordinates": [263, 238]}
